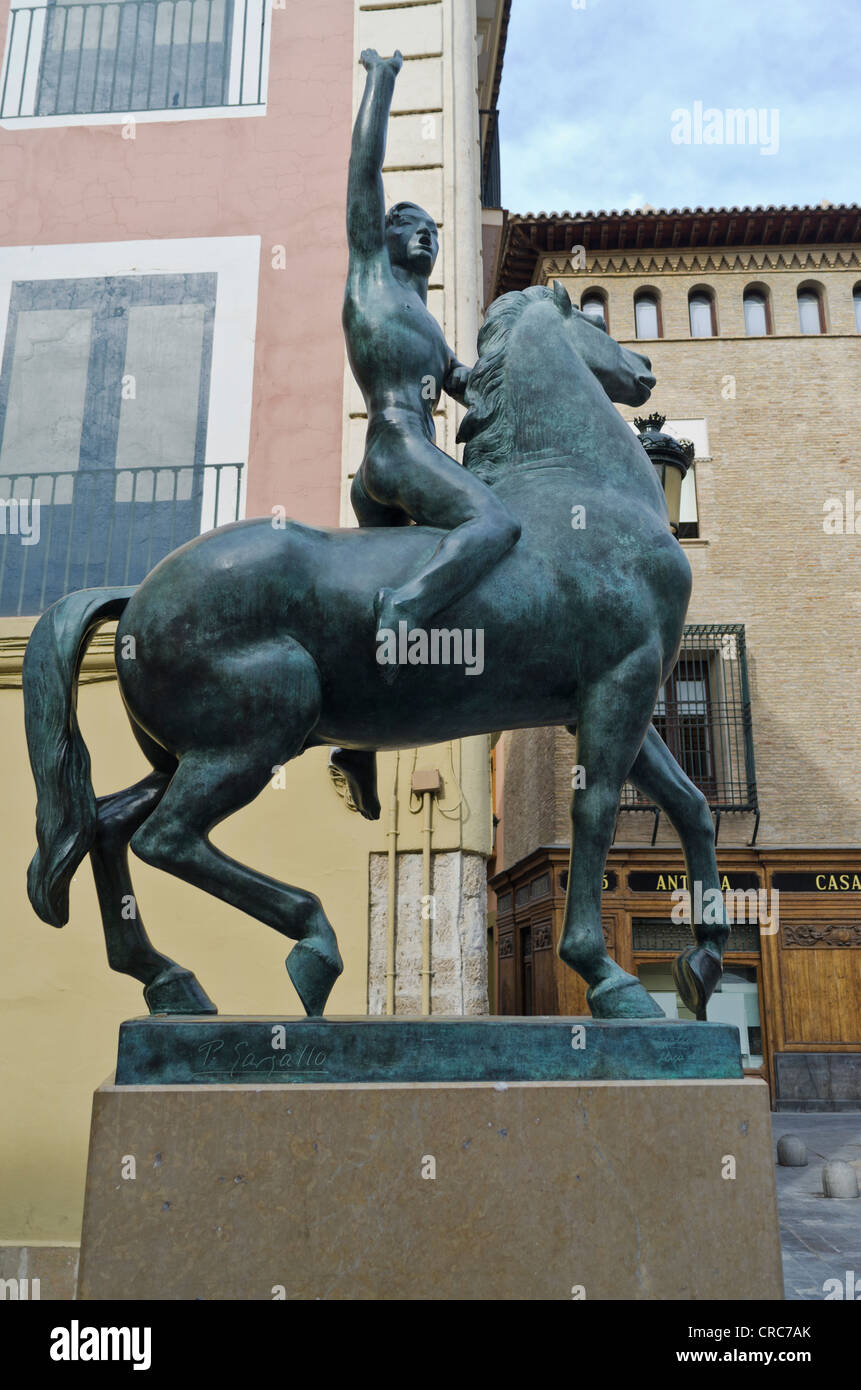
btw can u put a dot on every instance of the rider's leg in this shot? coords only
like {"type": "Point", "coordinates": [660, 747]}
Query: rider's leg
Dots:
{"type": "Point", "coordinates": [359, 765]}
{"type": "Point", "coordinates": [411, 473]}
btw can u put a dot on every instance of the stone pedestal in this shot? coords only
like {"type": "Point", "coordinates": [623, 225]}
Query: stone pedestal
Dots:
{"type": "Point", "coordinates": [656, 1189]}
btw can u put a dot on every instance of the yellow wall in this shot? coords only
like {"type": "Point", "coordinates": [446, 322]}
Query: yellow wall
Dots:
{"type": "Point", "coordinates": [61, 1006]}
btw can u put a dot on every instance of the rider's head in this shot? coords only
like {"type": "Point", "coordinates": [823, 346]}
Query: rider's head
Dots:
{"type": "Point", "coordinates": [412, 238]}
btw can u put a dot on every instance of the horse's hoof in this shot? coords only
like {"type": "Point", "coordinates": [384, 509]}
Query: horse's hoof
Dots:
{"type": "Point", "coordinates": [176, 991]}
{"type": "Point", "coordinates": [313, 975]}
{"type": "Point", "coordinates": [622, 998]}
{"type": "Point", "coordinates": [696, 972]}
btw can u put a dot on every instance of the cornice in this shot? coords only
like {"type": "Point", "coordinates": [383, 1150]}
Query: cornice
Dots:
{"type": "Point", "coordinates": [98, 664]}
{"type": "Point", "coordinates": [703, 262]}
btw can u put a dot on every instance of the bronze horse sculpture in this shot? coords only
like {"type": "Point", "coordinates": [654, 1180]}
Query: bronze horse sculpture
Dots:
{"type": "Point", "coordinates": [254, 642]}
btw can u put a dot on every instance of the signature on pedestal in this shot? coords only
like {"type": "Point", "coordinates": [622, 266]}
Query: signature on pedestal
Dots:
{"type": "Point", "coordinates": [245, 1062]}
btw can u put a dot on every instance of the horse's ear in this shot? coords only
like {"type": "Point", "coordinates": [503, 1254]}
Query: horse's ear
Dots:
{"type": "Point", "coordinates": [560, 297]}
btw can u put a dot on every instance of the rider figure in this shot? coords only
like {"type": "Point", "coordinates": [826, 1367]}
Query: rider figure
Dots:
{"type": "Point", "coordinates": [402, 363]}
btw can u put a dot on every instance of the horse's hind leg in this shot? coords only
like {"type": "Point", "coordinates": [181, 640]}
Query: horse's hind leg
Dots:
{"type": "Point", "coordinates": [168, 988]}
{"type": "Point", "coordinates": [698, 969]}
{"type": "Point", "coordinates": [207, 787]}
{"type": "Point", "coordinates": [611, 726]}
{"type": "Point", "coordinates": [213, 782]}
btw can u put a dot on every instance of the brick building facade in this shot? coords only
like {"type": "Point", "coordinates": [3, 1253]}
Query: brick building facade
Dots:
{"type": "Point", "coordinates": [752, 321]}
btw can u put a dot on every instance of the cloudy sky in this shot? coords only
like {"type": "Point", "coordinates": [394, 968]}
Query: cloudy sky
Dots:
{"type": "Point", "coordinates": [592, 91]}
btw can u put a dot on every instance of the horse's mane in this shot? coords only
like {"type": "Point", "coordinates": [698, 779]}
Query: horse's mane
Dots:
{"type": "Point", "coordinates": [487, 427]}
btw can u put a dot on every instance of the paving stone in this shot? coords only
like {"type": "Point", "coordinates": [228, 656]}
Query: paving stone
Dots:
{"type": "Point", "coordinates": [820, 1239]}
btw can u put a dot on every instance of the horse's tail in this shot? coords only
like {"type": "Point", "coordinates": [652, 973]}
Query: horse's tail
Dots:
{"type": "Point", "coordinates": [66, 805]}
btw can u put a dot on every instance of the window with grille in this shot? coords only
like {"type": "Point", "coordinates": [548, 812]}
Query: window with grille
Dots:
{"type": "Point", "coordinates": [703, 715]}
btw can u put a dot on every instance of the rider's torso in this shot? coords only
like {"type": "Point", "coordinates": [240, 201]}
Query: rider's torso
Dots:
{"type": "Point", "coordinates": [397, 349]}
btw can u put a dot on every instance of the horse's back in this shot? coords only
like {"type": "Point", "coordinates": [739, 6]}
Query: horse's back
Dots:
{"type": "Point", "coordinates": [563, 606]}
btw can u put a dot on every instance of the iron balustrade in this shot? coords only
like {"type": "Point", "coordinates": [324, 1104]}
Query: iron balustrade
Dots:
{"type": "Point", "coordinates": [133, 55]}
{"type": "Point", "coordinates": [703, 714]}
{"type": "Point", "coordinates": [95, 527]}
{"type": "Point", "coordinates": [491, 190]}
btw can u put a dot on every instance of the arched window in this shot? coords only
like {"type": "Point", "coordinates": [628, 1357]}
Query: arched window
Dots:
{"type": "Point", "coordinates": [757, 312]}
{"type": "Point", "coordinates": [811, 309]}
{"type": "Point", "coordinates": [647, 314]}
{"type": "Point", "coordinates": [856, 300]}
{"type": "Point", "coordinates": [594, 303]}
{"type": "Point", "coordinates": [701, 308]}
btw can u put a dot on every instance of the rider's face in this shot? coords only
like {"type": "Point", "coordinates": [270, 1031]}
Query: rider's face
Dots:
{"type": "Point", "coordinates": [413, 240]}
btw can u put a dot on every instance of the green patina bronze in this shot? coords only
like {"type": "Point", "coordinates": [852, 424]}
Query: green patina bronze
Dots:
{"type": "Point", "coordinates": [224, 1051]}
{"type": "Point", "coordinates": [257, 641]}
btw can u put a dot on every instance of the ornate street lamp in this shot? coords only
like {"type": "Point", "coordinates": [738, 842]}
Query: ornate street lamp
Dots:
{"type": "Point", "coordinates": [672, 459]}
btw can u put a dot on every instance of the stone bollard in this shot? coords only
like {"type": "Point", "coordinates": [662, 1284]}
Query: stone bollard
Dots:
{"type": "Point", "coordinates": [839, 1180]}
{"type": "Point", "coordinates": [791, 1151]}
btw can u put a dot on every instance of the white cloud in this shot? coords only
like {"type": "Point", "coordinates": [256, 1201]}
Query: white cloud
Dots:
{"type": "Point", "coordinates": [587, 95]}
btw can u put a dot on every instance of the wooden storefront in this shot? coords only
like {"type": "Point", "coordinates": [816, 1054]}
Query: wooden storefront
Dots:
{"type": "Point", "coordinates": [796, 973]}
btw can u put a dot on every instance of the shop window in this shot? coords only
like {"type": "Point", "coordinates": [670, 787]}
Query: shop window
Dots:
{"type": "Point", "coordinates": [735, 1001]}
{"type": "Point", "coordinates": [663, 934]}
{"type": "Point", "coordinates": [657, 978]}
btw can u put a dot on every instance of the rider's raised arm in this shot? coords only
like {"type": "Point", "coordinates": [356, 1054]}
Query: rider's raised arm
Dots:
{"type": "Point", "coordinates": [366, 206]}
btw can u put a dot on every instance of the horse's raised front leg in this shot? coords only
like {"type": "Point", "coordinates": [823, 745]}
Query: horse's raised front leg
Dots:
{"type": "Point", "coordinates": [612, 723]}
{"type": "Point", "coordinates": [697, 970]}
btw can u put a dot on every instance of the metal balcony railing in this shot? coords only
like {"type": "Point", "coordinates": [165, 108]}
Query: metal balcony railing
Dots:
{"type": "Point", "coordinates": [133, 56]}
{"type": "Point", "coordinates": [102, 526]}
{"type": "Point", "coordinates": [704, 716]}
{"type": "Point", "coordinates": [491, 191]}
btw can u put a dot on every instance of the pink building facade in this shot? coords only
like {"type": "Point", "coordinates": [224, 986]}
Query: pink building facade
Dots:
{"type": "Point", "coordinates": [170, 276]}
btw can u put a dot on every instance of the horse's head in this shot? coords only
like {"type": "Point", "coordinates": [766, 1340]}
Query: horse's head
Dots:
{"type": "Point", "coordinates": [544, 374]}
{"type": "Point", "coordinates": [626, 376]}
